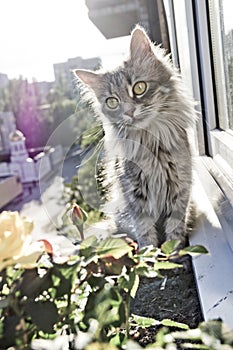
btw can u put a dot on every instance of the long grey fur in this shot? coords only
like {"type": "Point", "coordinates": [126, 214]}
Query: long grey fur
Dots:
{"type": "Point", "coordinates": [147, 148]}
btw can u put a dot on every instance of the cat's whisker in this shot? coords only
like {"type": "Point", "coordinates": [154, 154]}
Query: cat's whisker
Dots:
{"type": "Point", "coordinates": [99, 145]}
{"type": "Point", "coordinates": [143, 110]}
{"type": "Point", "coordinates": [121, 127]}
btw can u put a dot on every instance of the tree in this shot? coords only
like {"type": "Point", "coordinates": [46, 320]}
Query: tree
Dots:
{"type": "Point", "coordinates": [27, 117]}
{"type": "Point", "coordinates": [23, 99]}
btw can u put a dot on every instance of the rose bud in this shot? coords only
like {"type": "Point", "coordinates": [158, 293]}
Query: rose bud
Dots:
{"type": "Point", "coordinates": [78, 216]}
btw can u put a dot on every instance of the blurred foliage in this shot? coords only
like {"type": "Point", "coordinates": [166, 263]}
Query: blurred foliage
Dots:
{"type": "Point", "coordinates": [86, 188]}
{"type": "Point", "coordinates": [92, 136]}
{"type": "Point", "coordinates": [83, 301]}
{"type": "Point", "coordinates": [39, 115]}
{"type": "Point", "coordinates": [23, 100]}
{"type": "Point", "coordinates": [82, 191]}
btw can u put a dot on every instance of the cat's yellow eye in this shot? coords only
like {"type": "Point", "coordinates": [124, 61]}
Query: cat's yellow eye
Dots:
{"type": "Point", "coordinates": [112, 102]}
{"type": "Point", "coordinates": [139, 88]}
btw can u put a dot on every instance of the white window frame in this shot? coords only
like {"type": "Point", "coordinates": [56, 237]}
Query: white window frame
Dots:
{"type": "Point", "coordinates": [221, 91]}
{"type": "Point", "coordinates": [213, 174]}
{"type": "Point", "coordinates": [198, 72]}
{"type": "Point", "coordinates": [220, 140]}
{"type": "Point", "coordinates": [183, 42]}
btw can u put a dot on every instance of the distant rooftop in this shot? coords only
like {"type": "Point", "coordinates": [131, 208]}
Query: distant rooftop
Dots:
{"type": "Point", "coordinates": [4, 81]}
{"type": "Point", "coordinates": [3, 178]}
{"type": "Point", "coordinates": [33, 152]}
{"type": "Point", "coordinates": [16, 135]}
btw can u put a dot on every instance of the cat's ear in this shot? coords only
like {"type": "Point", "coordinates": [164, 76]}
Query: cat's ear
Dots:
{"type": "Point", "coordinates": [91, 79]}
{"type": "Point", "coordinates": [140, 44]}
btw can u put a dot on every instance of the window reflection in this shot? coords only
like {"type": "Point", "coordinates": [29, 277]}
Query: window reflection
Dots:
{"type": "Point", "coordinates": [226, 7]}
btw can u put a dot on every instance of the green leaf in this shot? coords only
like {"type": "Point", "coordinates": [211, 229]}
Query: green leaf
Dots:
{"type": "Point", "coordinates": [144, 322]}
{"type": "Point", "coordinates": [169, 247]}
{"type": "Point", "coordinates": [4, 303]}
{"type": "Point", "coordinates": [44, 315]}
{"type": "Point", "coordinates": [171, 323]}
{"type": "Point", "coordinates": [134, 287]}
{"type": "Point", "coordinates": [95, 281]}
{"type": "Point", "coordinates": [147, 251]}
{"type": "Point", "coordinates": [144, 270]}
{"type": "Point", "coordinates": [129, 282]}
{"type": "Point", "coordinates": [193, 250]}
{"type": "Point", "coordinates": [88, 242]}
{"type": "Point", "coordinates": [33, 285]}
{"type": "Point", "coordinates": [88, 246]}
{"type": "Point", "coordinates": [118, 340]}
{"type": "Point", "coordinates": [197, 346]}
{"type": "Point", "coordinates": [63, 278]}
{"type": "Point", "coordinates": [104, 306]}
{"type": "Point", "coordinates": [9, 327]}
{"type": "Point", "coordinates": [115, 247]}
{"type": "Point", "coordinates": [166, 265]}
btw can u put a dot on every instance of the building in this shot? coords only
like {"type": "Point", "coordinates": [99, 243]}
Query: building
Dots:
{"type": "Point", "coordinates": [118, 18]}
{"type": "Point", "coordinates": [20, 163]}
{"type": "Point", "coordinates": [4, 81]}
{"type": "Point", "coordinates": [7, 125]}
{"type": "Point", "coordinates": [26, 168]}
{"type": "Point", "coordinates": [63, 71]}
{"type": "Point", "coordinates": [43, 88]}
{"type": "Point", "coordinates": [10, 188]}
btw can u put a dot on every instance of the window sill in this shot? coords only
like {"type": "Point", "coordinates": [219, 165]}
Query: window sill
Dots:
{"type": "Point", "coordinates": [214, 273]}
{"type": "Point", "coordinates": [222, 142]}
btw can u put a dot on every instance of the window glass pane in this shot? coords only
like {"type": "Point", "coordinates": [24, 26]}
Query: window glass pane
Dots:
{"type": "Point", "coordinates": [221, 26]}
{"type": "Point", "coordinates": [227, 32]}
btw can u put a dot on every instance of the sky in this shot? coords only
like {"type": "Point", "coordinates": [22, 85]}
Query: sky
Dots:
{"type": "Point", "coordinates": [34, 34]}
{"type": "Point", "coordinates": [227, 14]}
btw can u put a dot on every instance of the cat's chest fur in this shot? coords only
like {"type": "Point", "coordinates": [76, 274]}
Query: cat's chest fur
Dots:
{"type": "Point", "coordinates": [147, 175]}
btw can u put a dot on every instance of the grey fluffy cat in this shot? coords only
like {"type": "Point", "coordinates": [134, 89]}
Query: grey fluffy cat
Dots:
{"type": "Point", "coordinates": [145, 114]}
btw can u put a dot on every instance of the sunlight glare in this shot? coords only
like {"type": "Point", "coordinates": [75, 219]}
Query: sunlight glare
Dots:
{"type": "Point", "coordinates": [36, 34]}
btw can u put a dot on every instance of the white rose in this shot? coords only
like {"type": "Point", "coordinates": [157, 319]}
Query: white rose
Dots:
{"type": "Point", "coordinates": [16, 246]}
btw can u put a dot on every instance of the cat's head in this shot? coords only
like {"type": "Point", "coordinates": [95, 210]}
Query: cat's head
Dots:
{"type": "Point", "coordinates": [136, 92]}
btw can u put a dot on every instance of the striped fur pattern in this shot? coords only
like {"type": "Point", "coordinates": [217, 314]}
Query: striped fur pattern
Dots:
{"type": "Point", "coordinates": [148, 153]}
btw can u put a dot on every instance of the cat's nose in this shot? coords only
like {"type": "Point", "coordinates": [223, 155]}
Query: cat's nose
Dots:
{"type": "Point", "coordinates": [130, 111]}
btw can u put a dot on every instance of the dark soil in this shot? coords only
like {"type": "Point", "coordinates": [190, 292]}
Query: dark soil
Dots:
{"type": "Point", "coordinates": [174, 296]}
